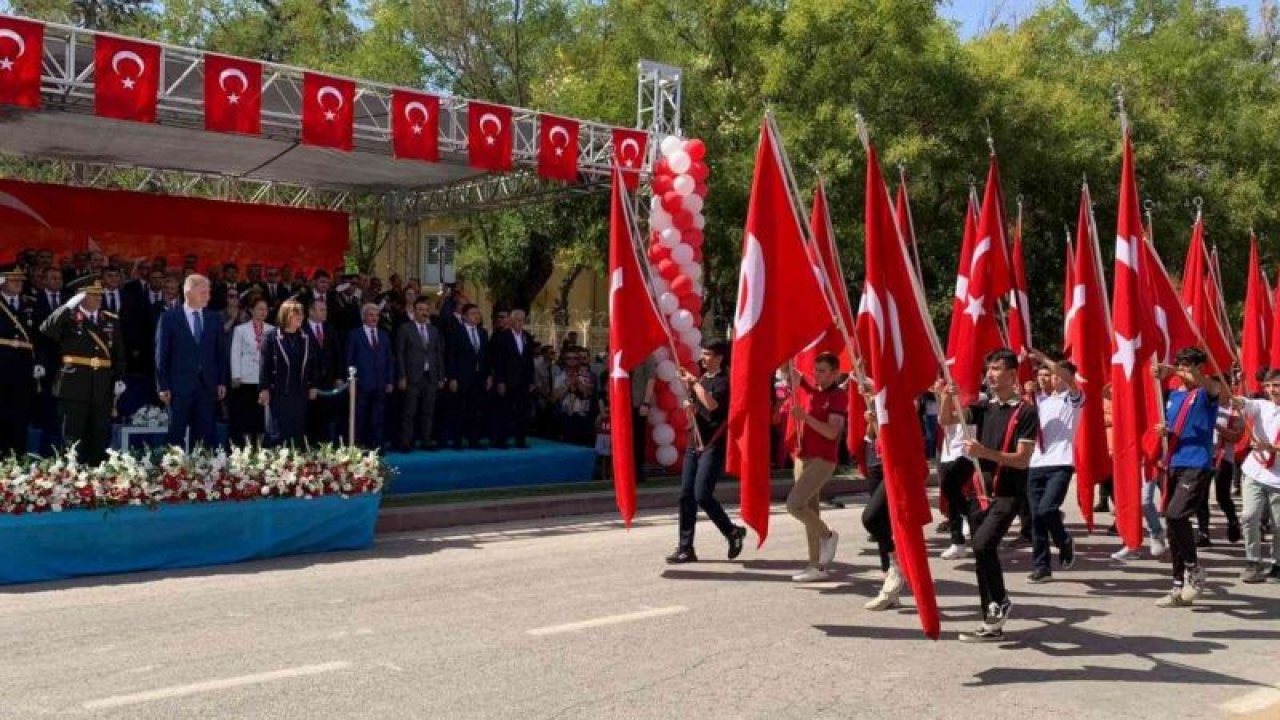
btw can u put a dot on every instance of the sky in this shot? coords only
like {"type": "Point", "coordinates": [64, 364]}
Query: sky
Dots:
{"type": "Point", "coordinates": [973, 16]}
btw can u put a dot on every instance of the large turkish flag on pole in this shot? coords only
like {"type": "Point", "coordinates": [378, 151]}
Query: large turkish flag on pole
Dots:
{"type": "Point", "coordinates": [21, 46]}
{"type": "Point", "coordinates": [328, 111]}
{"type": "Point", "coordinates": [901, 362]}
{"type": "Point", "coordinates": [232, 95]}
{"type": "Point", "coordinates": [636, 330]}
{"type": "Point", "coordinates": [974, 331]}
{"type": "Point", "coordinates": [1200, 300]}
{"type": "Point", "coordinates": [778, 298]}
{"type": "Point", "coordinates": [1019, 308]}
{"type": "Point", "coordinates": [415, 126]}
{"type": "Point", "coordinates": [1255, 342]}
{"type": "Point", "coordinates": [1088, 339]}
{"type": "Point", "coordinates": [126, 78]}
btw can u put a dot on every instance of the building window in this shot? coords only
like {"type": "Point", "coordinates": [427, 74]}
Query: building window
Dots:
{"type": "Point", "coordinates": [438, 259]}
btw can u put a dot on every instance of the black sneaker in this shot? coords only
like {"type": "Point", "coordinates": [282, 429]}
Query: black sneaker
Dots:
{"type": "Point", "coordinates": [1274, 575]}
{"type": "Point", "coordinates": [983, 634]}
{"type": "Point", "coordinates": [1203, 541]}
{"type": "Point", "coordinates": [682, 556]}
{"type": "Point", "coordinates": [943, 527]}
{"type": "Point", "coordinates": [1067, 555]}
{"type": "Point", "coordinates": [1040, 575]}
{"type": "Point", "coordinates": [1233, 532]}
{"type": "Point", "coordinates": [1102, 506]}
{"type": "Point", "coordinates": [735, 542]}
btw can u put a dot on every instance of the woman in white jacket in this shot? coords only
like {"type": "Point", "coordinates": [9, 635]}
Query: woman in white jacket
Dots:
{"type": "Point", "coordinates": [248, 418]}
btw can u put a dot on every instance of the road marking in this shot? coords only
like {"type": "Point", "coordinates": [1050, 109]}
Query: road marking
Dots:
{"type": "Point", "coordinates": [211, 685]}
{"type": "Point", "coordinates": [610, 620]}
{"type": "Point", "coordinates": [1256, 701]}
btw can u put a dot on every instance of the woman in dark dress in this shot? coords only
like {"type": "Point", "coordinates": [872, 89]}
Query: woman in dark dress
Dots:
{"type": "Point", "coordinates": [290, 375]}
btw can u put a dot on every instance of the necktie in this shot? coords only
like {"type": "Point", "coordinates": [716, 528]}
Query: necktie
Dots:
{"type": "Point", "coordinates": [54, 300]}
{"type": "Point", "coordinates": [373, 339]}
{"type": "Point", "coordinates": [198, 323]}
{"type": "Point", "coordinates": [422, 332]}
{"type": "Point", "coordinates": [319, 331]}
{"type": "Point", "coordinates": [111, 301]}
{"type": "Point", "coordinates": [475, 339]}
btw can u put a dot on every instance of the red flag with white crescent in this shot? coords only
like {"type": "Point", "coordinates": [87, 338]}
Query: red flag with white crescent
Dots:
{"type": "Point", "coordinates": [974, 331]}
{"type": "Point", "coordinates": [636, 330]}
{"type": "Point", "coordinates": [1019, 309]}
{"type": "Point", "coordinates": [776, 277]}
{"type": "Point", "coordinates": [1200, 300]}
{"type": "Point", "coordinates": [328, 111]}
{"type": "Point", "coordinates": [558, 148]}
{"type": "Point", "coordinates": [1255, 343]}
{"type": "Point", "coordinates": [629, 149]}
{"type": "Point", "coordinates": [415, 126]}
{"type": "Point", "coordinates": [489, 137]}
{"type": "Point", "coordinates": [21, 46]}
{"type": "Point", "coordinates": [900, 361]}
{"type": "Point", "coordinates": [126, 78]}
{"type": "Point", "coordinates": [232, 95]}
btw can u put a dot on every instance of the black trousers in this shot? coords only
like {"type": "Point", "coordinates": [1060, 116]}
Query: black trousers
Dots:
{"type": "Point", "coordinates": [247, 420]}
{"type": "Point", "coordinates": [955, 477]}
{"type": "Point", "coordinates": [465, 411]}
{"type": "Point", "coordinates": [1187, 488]}
{"type": "Point", "coordinates": [87, 425]}
{"type": "Point", "coordinates": [419, 413]}
{"type": "Point", "coordinates": [510, 417]}
{"type": "Point", "coordinates": [989, 528]}
{"type": "Point", "coordinates": [875, 516]}
{"type": "Point", "coordinates": [324, 414]}
{"type": "Point", "coordinates": [1222, 480]}
{"type": "Point", "coordinates": [701, 472]}
{"type": "Point", "coordinates": [289, 414]}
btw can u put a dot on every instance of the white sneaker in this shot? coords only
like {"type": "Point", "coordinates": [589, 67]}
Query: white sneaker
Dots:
{"type": "Point", "coordinates": [827, 549]}
{"type": "Point", "coordinates": [1193, 586]}
{"type": "Point", "coordinates": [883, 601]}
{"type": "Point", "coordinates": [893, 581]}
{"type": "Point", "coordinates": [811, 574]}
{"type": "Point", "coordinates": [955, 552]}
{"type": "Point", "coordinates": [1125, 554]}
{"type": "Point", "coordinates": [1157, 547]}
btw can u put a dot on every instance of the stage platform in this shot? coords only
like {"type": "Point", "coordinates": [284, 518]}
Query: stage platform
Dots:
{"type": "Point", "coordinates": [544, 463]}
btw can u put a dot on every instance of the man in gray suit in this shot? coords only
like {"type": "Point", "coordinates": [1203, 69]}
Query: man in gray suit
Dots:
{"type": "Point", "coordinates": [420, 360]}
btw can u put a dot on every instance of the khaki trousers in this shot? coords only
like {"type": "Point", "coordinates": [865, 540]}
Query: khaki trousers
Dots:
{"type": "Point", "coordinates": [802, 502]}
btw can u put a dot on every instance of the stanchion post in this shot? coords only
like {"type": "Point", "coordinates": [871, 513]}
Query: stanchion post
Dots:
{"type": "Point", "coordinates": [351, 406]}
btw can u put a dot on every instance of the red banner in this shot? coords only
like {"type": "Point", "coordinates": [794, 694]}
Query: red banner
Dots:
{"type": "Point", "coordinates": [629, 148]}
{"type": "Point", "coordinates": [126, 78]}
{"type": "Point", "coordinates": [134, 225]}
{"type": "Point", "coordinates": [232, 95]}
{"type": "Point", "coordinates": [489, 136]}
{"type": "Point", "coordinates": [558, 148]}
{"type": "Point", "coordinates": [328, 112]}
{"type": "Point", "coordinates": [21, 44]}
{"type": "Point", "coordinates": [415, 126]}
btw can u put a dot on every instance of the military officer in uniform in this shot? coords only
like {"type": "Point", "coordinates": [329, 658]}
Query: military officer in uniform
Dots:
{"type": "Point", "coordinates": [91, 344]}
{"type": "Point", "coordinates": [18, 369]}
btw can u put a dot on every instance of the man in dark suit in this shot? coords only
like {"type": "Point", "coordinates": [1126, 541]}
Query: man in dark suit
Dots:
{"type": "Point", "coordinates": [192, 365]}
{"type": "Point", "coordinates": [275, 291]}
{"type": "Point", "coordinates": [513, 382]}
{"type": "Point", "coordinates": [48, 298]}
{"type": "Point", "coordinates": [323, 412]}
{"type": "Point", "coordinates": [18, 332]}
{"type": "Point", "coordinates": [468, 372]}
{"type": "Point", "coordinates": [420, 364]}
{"type": "Point", "coordinates": [369, 352]}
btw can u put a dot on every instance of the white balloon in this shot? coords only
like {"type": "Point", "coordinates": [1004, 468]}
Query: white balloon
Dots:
{"type": "Point", "coordinates": [666, 455]}
{"type": "Point", "coordinates": [692, 270]}
{"type": "Point", "coordinates": [678, 389]}
{"type": "Point", "coordinates": [684, 185]}
{"type": "Point", "coordinates": [667, 370]}
{"type": "Point", "coordinates": [657, 416]}
{"type": "Point", "coordinates": [679, 162]}
{"type": "Point", "coordinates": [699, 221]}
{"type": "Point", "coordinates": [697, 288]}
{"type": "Point", "coordinates": [694, 204]}
{"type": "Point", "coordinates": [660, 286]}
{"type": "Point", "coordinates": [655, 204]}
{"type": "Point", "coordinates": [671, 145]}
{"type": "Point", "coordinates": [660, 220]}
{"type": "Point", "coordinates": [664, 434]}
{"type": "Point", "coordinates": [668, 303]}
{"type": "Point", "coordinates": [682, 254]}
{"type": "Point", "coordinates": [669, 237]}
{"type": "Point", "coordinates": [681, 321]}
{"type": "Point", "coordinates": [692, 337]}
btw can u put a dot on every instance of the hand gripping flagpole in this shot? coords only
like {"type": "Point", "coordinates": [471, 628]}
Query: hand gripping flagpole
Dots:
{"type": "Point", "coordinates": [938, 355]}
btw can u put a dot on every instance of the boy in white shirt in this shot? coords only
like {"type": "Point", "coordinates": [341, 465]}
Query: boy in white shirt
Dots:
{"type": "Point", "coordinates": [1058, 404]}
{"type": "Point", "coordinates": [1260, 483]}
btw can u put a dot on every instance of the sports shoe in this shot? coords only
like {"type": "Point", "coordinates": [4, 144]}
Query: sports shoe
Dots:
{"type": "Point", "coordinates": [1173, 599]}
{"type": "Point", "coordinates": [893, 581]}
{"type": "Point", "coordinates": [1233, 532]}
{"type": "Point", "coordinates": [943, 527]}
{"type": "Point", "coordinates": [955, 552]}
{"type": "Point", "coordinates": [1040, 575]}
{"type": "Point", "coordinates": [1253, 573]}
{"type": "Point", "coordinates": [682, 556]}
{"type": "Point", "coordinates": [811, 574]}
{"type": "Point", "coordinates": [983, 634]}
{"type": "Point", "coordinates": [1157, 547]}
{"type": "Point", "coordinates": [1125, 554]}
{"type": "Point", "coordinates": [997, 613]}
{"type": "Point", "coordinates": [1203, 541]}
{"type": "Point", "coordinates": [827, 549]}
{"type": "Point", "coordinates": [1067, 555]}
{"type": "Point", "coordinates": [1194, 584]}
{"type": "Point", "coordinates": [882, 601]}
{"type": "Point", "coordinates": [736, 542]}
{"type": "Point", "coordinates": [1274, 575]}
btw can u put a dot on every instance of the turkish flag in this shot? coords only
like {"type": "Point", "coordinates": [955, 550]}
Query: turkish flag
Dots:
{"type": "Point", "coordinates": [558, 148]}
{"type": "Point", "coordinates": [1200, 300]}
{"type": "Point", "coordinates": [126, 78]}
{"type": "Point", "coordinates": [232, 95]}
{"type": "Point", "coordinates": [776, 279]}
{"type": "Point", "coordinates": [1172, 329]}
{"type": "Point", "coordinates": [21, 45]}
{"type": "Point", "coordinates": [1019, 315]}
{"type": "Point", "coordinates": [636, 330]}
{"type": "Point", "coordinates": [489, 136]}
{"type": "Point", "coordinates": [974, 331]}
{"type": "Point", "coordinates": [1216, 301]}
{"type": "Point", "coordinates": [1135, 404]}
{"type": "Point", "coordinates": [415, 126]}
{"type": "Point", "coordinates": [1088, 334]}
{"type": "Point", "coordinates": [328, 111]}
{"type": "Point", "coordinates": [629, 149]}
{"type": "Point", "coordinates": [1255, 343]}
{"type": "Point", "coordinates": [900, 360]}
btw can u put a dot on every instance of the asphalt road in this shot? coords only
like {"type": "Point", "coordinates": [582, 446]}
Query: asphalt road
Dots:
{"type": "Point", "coordinates": [584, 620]}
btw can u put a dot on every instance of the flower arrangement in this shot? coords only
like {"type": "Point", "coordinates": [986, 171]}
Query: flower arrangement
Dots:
{"type": "Point", "coordinates": [172, 475]}
{"type": "Point", "coordinates": [151, 416]}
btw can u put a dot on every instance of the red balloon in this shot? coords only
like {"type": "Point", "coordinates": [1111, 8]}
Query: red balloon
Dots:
{"type": "Point", "coordinates": [696, 149]}
{"type": "Point", "coordinates": [684, 354]}
{"type": "Point", "coordinates": [697, 254]}
{"type": "Point", "coordinates": [692, 303]}
{"type": "Point", "coordinates": [662, 168]}
{"type": "Point", "coordinates": [672, 202]}
{"type": "Point", "coordinates": [669, 271]}
{"type": "Point", "coordinates": [658, 253]}
{"type": "Point", "coordinates": [678, 421]}
{"type": "Point", "coordinates": [700, 189]}
{"type": "Point", "coordinates": [667, 401]}
{"type": "Point", "coordinates": [681, 285]}
{"type": "Point", "coordinates": [693, 237]}
{"type": "Point", "coordinates": [699, 171]}
{"type": "Point", "coordinates": [683, 220]}
{"type": "Point", "coordinates": [661, 184]}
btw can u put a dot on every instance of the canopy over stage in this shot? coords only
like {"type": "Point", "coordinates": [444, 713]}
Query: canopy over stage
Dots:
{"type": "Point", "coordinates": [67, 142]}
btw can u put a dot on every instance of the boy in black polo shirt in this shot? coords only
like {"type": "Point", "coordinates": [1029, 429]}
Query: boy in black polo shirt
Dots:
{"type": "Point", "coordinates": [1007, 430]}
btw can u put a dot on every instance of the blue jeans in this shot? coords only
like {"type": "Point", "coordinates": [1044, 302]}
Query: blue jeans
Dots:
{"type": "Point", "coordinates": [1149, 510]}
{"type": "Point", "coordinates": [1046, 490]}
